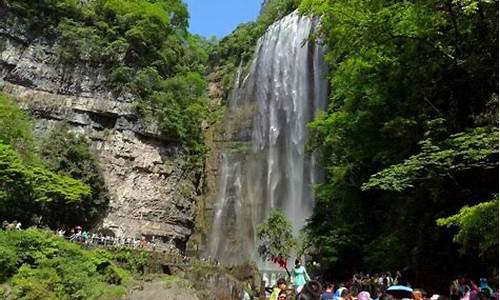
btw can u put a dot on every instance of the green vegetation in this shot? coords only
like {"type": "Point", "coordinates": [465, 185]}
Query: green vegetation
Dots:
{"type": "Point", "coordinates": [15, 127]}
{"type": "Point", "coordinates": [276, 241]}
{"type": "Point", "coordinates": [478, 228]}
{"type": "Point", "coordinates": [474, 149]}
{"type": "Point", "coordinates": [409, 140]}
{"type": "Point", "coordinates": [239, 46]}
{"type": "Point", "coordinates": [410, 136]}
{"type": "Point", "coordinates": [131, 260]}
{"type": "Point", "coordinates": [66, 153]}
{"type": "Point", "coordinates": [144, 48]}
{"type": "Point", "coordinates": [36, 264]}
{"type": "Point", "coordinates": [174, 281]}
{"type": "Point", "coordinates": [29, 191]}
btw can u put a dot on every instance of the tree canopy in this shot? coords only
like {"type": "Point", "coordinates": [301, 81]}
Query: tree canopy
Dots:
{"type": "Point", "coordinates": [410, 135]}
{"type": "Point", "coordinates": [65, 188]}
{"type": "Point", "coordinates": [478, 228]}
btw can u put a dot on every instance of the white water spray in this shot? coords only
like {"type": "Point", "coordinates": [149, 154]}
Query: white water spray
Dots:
{"type": "Point", "coordinates": [265, 164]}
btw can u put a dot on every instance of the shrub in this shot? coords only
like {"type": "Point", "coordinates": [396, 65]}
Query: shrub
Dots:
{"type": "Point", "coordinates": [48, 267]}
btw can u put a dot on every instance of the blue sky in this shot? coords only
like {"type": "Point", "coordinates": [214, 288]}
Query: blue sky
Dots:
{"type": "Point", "coordinates": [220, 17]}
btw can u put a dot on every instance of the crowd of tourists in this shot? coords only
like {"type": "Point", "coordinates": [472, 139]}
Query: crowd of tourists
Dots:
{"type": "Point", "coordinates": [87, 238]}
{"type": "Point", "coordinates": [11, 226]}
{"type": "Point", "coordinates": [375, 282]}
{"type": "Point", "coordinates": [382, 286]}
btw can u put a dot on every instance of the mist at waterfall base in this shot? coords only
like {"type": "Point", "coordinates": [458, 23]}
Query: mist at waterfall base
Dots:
{"type": "Point", "coordinates": [264, 162]}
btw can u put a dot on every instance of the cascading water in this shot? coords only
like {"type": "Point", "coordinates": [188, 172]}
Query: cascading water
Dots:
{"type": "Point", "coordinates": [264, 161]}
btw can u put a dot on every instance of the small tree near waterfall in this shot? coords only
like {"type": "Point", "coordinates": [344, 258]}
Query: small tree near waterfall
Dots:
{"type": "Point", "coordinates": [276, 241]}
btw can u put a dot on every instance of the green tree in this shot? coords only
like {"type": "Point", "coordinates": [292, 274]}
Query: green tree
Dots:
{"type": "Point", "coordinates": [28, 191]}
{"type": "Point", "coordinates": [276, 241]}
{"type": "Point", "coordinates": [37, 264]}
{"type": "Point", "coordinates": [478, 228]}
{"type": "Point", "coordinates": [144, 48]}
{"type": "Point", "coordinates": [477, 148]}
{"type": "Point", "coordinates": [15, 126]}
{"type": "Point", "coordinates": [66, 153]}
{"type": "Point", "coordinates": [412, 86]}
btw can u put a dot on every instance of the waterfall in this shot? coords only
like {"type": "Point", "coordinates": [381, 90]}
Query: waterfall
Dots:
{"type": "Point", "coordinates": [264, 161]}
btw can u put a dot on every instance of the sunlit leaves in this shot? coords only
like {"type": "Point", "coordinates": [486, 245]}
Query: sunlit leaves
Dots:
{"type": "Point", "coordinates": [275, 236]}
{"type": "Point", "coordinates": [21, 182]}
{"type": "Point", "coordinates": [478, 227]}
{"type": "Point", "coordinates": [38, 265]}
{"type": "Point", "coordinates": [15, 126]}
{"type": "Point", "coordinates": [412, 109]}
{"type": "Point", "coordinates": [474, 149]}
{"type": "Point", "coordinates": [67, 153]}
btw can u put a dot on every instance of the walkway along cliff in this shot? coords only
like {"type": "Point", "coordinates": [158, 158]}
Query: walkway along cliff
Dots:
{"type": "Point", "coordinates": [152, 194]}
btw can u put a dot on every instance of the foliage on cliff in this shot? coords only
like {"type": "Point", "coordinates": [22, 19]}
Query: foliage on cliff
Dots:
{"type": "Point", "coordinates": [409, 135]}
{"type": "Point", "coordinates": [144, 48]}
{"type": "Point", "coordinates": [36, 264]}
{"type": "Point", "coordinates": [56, 183]}
{"type": "Point", "coordinates": [238, 47]}
{"type": "Point", "coordinates": [27, 190]}
{"type": "Point", "coordinates": [15, 127]}
{"type": "Point", "coordinates": [66, 153]}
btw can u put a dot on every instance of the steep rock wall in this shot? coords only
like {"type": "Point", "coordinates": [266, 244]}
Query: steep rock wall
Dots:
{"type": "Point", "coordinates": [152, 193]}
{"type": "Point", "coordinates": [264, 164]}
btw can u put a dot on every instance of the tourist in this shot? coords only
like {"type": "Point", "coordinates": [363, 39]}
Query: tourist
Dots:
{"type": "Point", "coordinates": [455, 290]}
{"type": "Point", "coordinates": [61, 232]}
{"type": "Point", "coordinates": [364, 295]}
{"type": "Point", "coordinates": [12, 226]}
{"type": "Point", "coordinates": [311, 291]}
{"type": "Point", "coordinates": [398, 279]}
{"type": "Point", "coordinates": [483, 284]}
{"type": "Point", "coordinates": [418, 294]}
{"type": "Point", "coordinates": [328, 294]}
{"type": "Point", "coordinates": [280, 287]}
{"type": "Point", "coordinates": [153, 243]}
{"type": "Point", "coordinates": [380, 292]}
{"type": "Point", "coordinates": [85, 236]}
{"type": "Point", "coordinates": [282, 295]}
{"type": "Point", "coordinates": [265, 279]}
{"type": "Point", "coordinates": [299, 275]}
{"type": "Point", "coordinates": [483, 295]}
{"type": "Point", "coordinates": [341, 293]}
{"type": "Point", "coordinates": [390, 281]}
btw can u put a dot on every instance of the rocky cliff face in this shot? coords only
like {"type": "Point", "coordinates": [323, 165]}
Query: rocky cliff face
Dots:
{"type": "Point", "coordinates": [152, 193]}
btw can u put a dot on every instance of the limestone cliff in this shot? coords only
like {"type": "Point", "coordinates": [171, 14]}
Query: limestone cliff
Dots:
{"type": "Point", "coordinates": [152, 191]}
